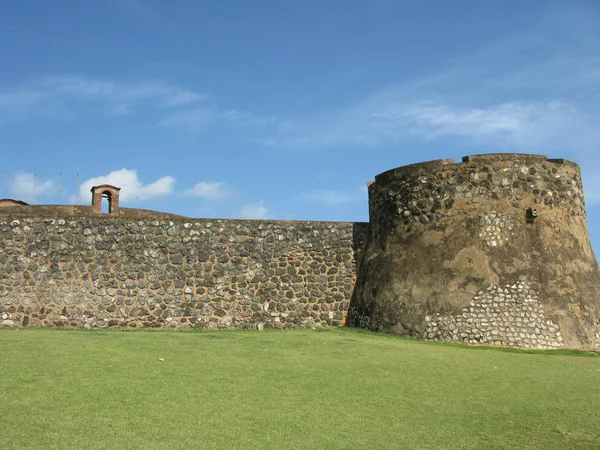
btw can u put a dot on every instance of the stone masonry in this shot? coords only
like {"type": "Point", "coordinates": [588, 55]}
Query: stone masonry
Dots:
{"type": "Point", "coordinates": [509, 316]}
{"type": "Point", "coordinates": [103, 272]}
{"type": "Point", "coordinates": [492, 250]}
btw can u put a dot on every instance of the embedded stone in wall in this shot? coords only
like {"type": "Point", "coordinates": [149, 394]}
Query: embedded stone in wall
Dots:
{"type": "Point", "coordinates": [510, 316]}
{"type": "Point", "coordinates": [103, 271]}
{"type": "Point", "coordinates": [495, 228]}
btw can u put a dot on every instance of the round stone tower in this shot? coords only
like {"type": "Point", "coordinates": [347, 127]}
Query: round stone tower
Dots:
{"type": "Point", "coordinates": [493, 250]}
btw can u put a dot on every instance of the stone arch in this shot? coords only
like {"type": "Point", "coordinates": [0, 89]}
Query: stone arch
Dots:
{"type": "Point", "coordinates": [105, 191]}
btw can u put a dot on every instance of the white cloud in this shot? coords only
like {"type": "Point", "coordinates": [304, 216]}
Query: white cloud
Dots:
{"type": "Point", "coordinates": [21, 186]}
{"type": "Point", "coordinates": [209, 190]}
{"type": "Point", "coordinates": [256, 211]}
{"type": "Point", "coordinates": [131, 186]}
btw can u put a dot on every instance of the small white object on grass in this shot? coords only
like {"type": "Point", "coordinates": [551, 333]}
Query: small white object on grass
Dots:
{"type": "Point", "coordinates": [161, 359]}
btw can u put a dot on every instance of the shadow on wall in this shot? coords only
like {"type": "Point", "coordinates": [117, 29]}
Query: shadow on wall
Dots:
{"type": "Point", "coordinates": [359, 236]}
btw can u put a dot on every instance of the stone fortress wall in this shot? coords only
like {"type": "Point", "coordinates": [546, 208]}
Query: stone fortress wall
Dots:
{"type": "Point", "coordinates": [493, 250]}
{"type": "Point", "coordinates": [85, 269]}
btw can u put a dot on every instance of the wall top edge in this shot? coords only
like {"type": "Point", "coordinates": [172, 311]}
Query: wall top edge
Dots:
{"type": "Point", "coordinates": [71, 212]}
{"type": "Point", "coordinates": [486, 158]}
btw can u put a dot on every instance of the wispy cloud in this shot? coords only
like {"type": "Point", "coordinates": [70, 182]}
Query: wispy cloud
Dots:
{"type": "Point", "coordinates": [131, 186]}
{"type": "Point", "coordinates": [117, 95]}
{"type": "Point", "coordinates": [547, 125]}
{"type": "Point", "coordinates": [18, 99]}
{"type": "Point", "coordinates": [532, 90]}
{"type": "Point", "coordinates": [72, 93]}
{"type": "Point", "coordinates": [28, 187]}
{"type": "Point", "coordinates": [66, 97]}
{"type": "Point", "coordinates": [209, 190]}
{"type": "Point", "coordinates": [184, 98]}
{"type": "Point", "coordinates": [257, 211]}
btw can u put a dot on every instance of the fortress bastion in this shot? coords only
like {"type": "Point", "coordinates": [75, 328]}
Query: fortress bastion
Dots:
{"type": "Point", "coordinates": [492, 250]}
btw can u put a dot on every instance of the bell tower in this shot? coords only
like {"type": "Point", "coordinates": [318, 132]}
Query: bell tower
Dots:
{"type": "Point", "coordinates": [109, 192]}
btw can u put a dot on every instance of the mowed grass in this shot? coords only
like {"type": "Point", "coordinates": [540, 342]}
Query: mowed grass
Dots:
{"type": "Point", "coordinates": [288, 389]}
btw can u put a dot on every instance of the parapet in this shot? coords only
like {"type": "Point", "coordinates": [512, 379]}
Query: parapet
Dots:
{"type": "Point", "coordinates": [427, 165]}
{"type": "Point", "coordinates": [493, 159]}
{"type": "Point", "coordinates": [503, 157]}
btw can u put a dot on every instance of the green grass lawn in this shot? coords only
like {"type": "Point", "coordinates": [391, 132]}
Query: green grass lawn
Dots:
{"type": "Point", "coordinates": [288, 389]}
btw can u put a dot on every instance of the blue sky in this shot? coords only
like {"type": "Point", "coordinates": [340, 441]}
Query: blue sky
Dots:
{"type": "Point", "coordinates": [285, 110]}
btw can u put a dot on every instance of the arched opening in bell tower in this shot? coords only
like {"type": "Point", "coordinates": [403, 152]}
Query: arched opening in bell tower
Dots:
{"type": "Point", "coordinates": [105, 199]}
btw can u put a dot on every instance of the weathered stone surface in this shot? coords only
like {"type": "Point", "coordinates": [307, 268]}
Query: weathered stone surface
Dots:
{"type": "Point", "coordinates": [111, 271]}
{"type": "Point", "coordinates": [493, 222]}
{"type": "Point", "coordinates": [490, 251]}
{"type": "Point", "coordinates": [508, 316]}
